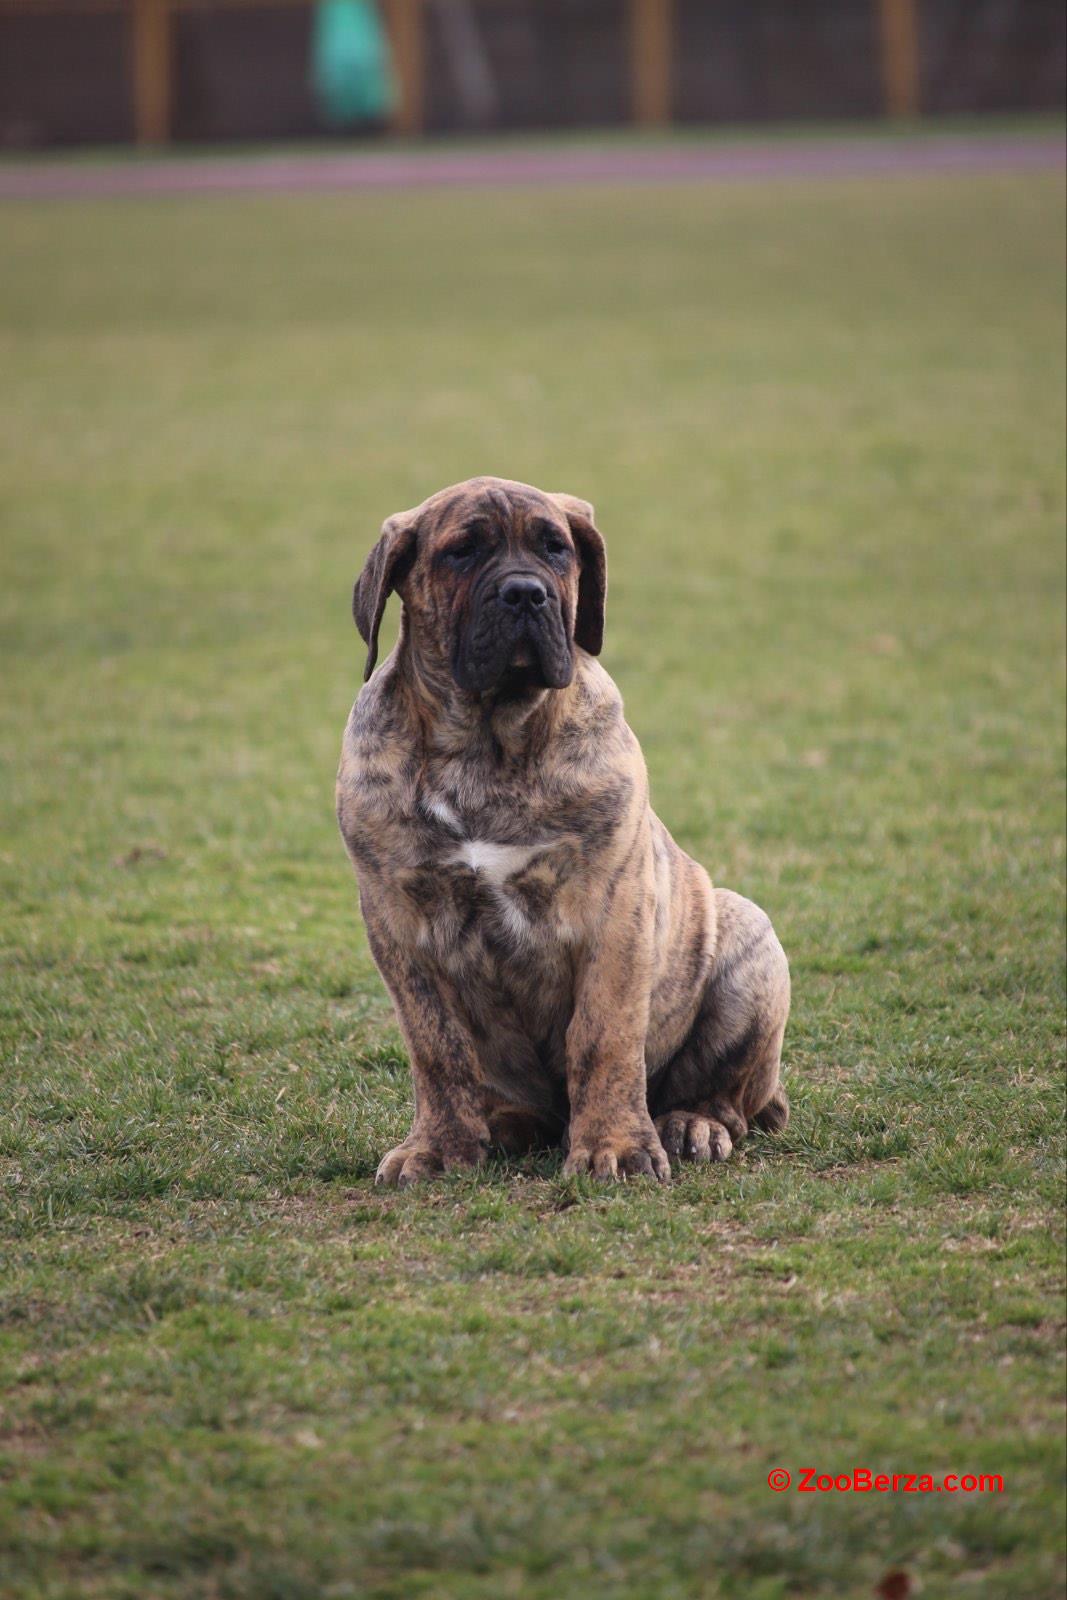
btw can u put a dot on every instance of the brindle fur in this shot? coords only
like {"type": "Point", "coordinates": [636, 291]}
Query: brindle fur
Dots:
{"type": "Point", "coordinates": [561, 970]}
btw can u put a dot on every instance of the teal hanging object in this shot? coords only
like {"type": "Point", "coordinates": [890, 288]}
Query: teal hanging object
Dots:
{"type": "Point", "coordinates": [351, 73]}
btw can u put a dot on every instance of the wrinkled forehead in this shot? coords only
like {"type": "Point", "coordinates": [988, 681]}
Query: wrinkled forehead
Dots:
{"type": "Point", "coordinates": [498, 506]}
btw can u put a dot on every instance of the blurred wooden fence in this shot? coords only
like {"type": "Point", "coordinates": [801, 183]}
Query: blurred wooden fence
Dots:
{"type": "Point", "coordinates": [656, 48]}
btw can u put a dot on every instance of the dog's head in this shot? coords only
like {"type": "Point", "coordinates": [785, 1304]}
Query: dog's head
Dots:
{"type": "Point", "coordinates": [500, 582]}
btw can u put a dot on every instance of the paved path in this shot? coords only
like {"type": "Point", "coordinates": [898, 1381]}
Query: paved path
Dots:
{"type": "Point", "coordinates": [442, 167]}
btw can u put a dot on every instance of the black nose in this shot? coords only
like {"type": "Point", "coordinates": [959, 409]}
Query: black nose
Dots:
{"type": "Point", "coordinates": [523, 592]}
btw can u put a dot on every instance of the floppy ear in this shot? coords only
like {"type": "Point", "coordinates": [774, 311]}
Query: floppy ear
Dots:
{"type": "Point", "coordinates": [384, 568]}
{"type": "Point", "coordinates": [593, 578]}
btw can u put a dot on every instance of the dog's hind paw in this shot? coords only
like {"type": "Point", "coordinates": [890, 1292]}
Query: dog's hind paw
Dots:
{"type": "Point", "coordinates": [691, 1136]}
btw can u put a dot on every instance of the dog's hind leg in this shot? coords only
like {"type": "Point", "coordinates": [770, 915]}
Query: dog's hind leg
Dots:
{"type": "Point", "coordinates": [725, 1077]}
{"type": "Point", "coordinates": [775, 1114]}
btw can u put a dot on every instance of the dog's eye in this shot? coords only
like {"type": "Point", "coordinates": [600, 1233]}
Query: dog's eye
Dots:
{"type": "Point", "coordinates": [461, 555]}
{"type": "Point", "coordinates": [555, 545]}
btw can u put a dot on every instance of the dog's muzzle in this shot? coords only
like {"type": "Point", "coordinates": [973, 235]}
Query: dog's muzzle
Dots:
{"type": "Point", "coordinates": [516, 638]}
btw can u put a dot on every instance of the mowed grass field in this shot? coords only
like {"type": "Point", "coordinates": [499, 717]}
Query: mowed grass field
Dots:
{"type": "Point", "coordinates": [823, 426]}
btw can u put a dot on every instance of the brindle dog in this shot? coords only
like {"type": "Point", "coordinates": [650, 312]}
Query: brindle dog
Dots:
{"type": "Point", "coordinates": [562, 971]}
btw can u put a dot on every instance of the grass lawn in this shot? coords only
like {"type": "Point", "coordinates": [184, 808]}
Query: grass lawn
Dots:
{"type": "Point", "coordinates": [823, 426]}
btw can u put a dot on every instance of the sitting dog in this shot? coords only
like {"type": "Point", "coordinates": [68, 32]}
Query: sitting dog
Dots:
{"type": "Point", "coordinates": [561, 970]}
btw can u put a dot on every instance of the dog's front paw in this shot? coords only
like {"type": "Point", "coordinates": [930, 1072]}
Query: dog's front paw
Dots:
{"type": "Point", "coordinates": [422, 1156]}
{"type": "Point", "coordinates": [629, 1150]}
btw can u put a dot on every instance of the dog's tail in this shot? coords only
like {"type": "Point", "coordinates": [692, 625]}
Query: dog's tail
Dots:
{"type": "Point", "coordinates": [775, 1114]}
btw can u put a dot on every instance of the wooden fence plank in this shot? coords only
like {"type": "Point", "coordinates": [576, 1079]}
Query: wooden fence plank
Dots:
{"type": "Point", "coordinates": [151, 70]}
{"type": "Point", "coordinates": [899, 29]}
{"type": "Point", "coordinates": [651, 53]}
{"type": "Point", "coordinates": [406, 22]}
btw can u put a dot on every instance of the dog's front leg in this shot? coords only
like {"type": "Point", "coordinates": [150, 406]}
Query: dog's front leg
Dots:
{"type": "Point", "coordinates": [611, 1134]}
{"type": "Point", "coordinates": [450, 1128]}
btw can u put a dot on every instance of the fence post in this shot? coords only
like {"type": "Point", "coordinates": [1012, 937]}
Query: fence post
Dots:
{"type": "Point", "coordinates": [899, 28]}
{"type": "Point", "coordinates": [151, 71]}
{"type": "Point", "coordinates": [406, 22]}
{"type": "Point", "coordinates": [651, 52]}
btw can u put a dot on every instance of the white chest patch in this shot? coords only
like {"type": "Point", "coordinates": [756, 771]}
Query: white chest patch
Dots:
{"type": "Point", "coordinates": [444, 813]}
{"type": "Point", "coordinates": [496, 862]}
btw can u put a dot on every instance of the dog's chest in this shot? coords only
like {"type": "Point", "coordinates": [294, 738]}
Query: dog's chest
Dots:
{"type": "Point", "coordinates": [455, 842]}
{"type": "Point", "coordinates": [486, 887]}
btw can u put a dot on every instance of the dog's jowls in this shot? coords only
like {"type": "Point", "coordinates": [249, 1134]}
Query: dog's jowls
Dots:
{"type": "Point", "coordinates": [561, 970]}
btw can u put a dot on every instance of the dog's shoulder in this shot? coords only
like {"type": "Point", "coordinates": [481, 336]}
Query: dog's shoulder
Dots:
{"type": "Point", "coordinates": [592, 720]}
{"type": "Point", "coordinates": [592, 780]}
{"type": "Point", "coordinates": [376, 754]}
{"type": "Point", "coordinates": [376, 719]}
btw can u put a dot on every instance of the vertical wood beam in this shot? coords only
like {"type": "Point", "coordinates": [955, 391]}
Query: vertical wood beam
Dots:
{"type": "Point", "coordinates": [151, 70]}
{"type": "Point", "coordinates": [406, 22]}
{"type": "Point", "coordinates": [651, 53]}
{"type": "Point", "coordinates": [899, 28]}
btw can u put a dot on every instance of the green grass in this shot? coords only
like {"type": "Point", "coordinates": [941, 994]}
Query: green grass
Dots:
{"type": "Point", "coordinates": [823, 426]}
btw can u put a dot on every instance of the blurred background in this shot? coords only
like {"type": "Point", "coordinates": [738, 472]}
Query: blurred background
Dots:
{"type": "Point", "coordinates": [154, 71]}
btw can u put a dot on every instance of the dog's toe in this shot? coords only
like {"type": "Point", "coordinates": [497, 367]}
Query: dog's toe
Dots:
{"type": "Point", "coordinates": [406, 1165]}
{"type": "Point", "coordinates": [691, 1136]}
